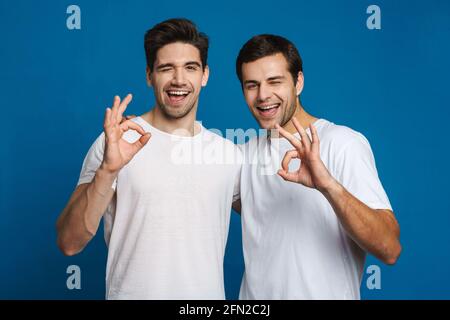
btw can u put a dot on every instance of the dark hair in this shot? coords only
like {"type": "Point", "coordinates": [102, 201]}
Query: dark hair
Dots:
{"type": "Point", "coordinates": [174, 30]}
{"type": "Point", "coordinates": [264, 45]}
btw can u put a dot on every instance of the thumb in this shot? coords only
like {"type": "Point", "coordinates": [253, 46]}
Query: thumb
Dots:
{"type": "Point", "coordinates": [287, 176]}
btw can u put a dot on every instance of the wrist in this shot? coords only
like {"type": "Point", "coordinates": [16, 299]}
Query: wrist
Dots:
{"type": "Point", "coordinates": [330, 188]}
{"type": "Point", "coordinates": [104, 171]}
{"type": "Point", "coordinates": [105, 180]}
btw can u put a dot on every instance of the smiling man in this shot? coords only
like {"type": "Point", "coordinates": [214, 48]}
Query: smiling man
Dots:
{"type": "Point", "coordinates": [166, 221]}
{"type": "Point", "coordinates": [307, 239]}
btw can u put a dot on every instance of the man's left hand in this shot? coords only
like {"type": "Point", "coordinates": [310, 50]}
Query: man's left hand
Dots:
{"type": "Point", "coordinates": [312, 171]}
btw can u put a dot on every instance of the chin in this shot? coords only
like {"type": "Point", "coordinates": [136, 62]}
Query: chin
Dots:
{"type": "Point", "coordinates": [178, 112]}
{"type": "Point", "coordinates": [267, 124]}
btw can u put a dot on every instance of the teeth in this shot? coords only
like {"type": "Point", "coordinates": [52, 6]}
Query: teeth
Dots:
{"type": "Point", "coordinates": [178, 93]}
{"type": "Point", "coordinates": [268, 107]}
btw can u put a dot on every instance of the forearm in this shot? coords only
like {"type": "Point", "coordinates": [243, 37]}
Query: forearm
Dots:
{"type": "Point", "coordinates": [375, 231]}
{"type": "Point", "coordinates": [80, 220]}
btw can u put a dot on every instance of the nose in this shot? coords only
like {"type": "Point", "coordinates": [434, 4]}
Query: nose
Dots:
{"type": "Point", "coordinates": [264, 92]}
{"type": "Point", "coordinates": [178, 77]}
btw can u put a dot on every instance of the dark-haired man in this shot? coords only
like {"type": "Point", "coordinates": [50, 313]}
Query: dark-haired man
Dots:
{"type": "Point", "coordinates": [308, 239]}
{"type": "Point", "coordinates": [165, 208]}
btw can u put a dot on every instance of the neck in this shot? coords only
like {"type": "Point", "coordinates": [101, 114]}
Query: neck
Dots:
{"type": "Point", "coordinates": [184, 126]}
{"type": "Point", "coordinates": [304, 118]}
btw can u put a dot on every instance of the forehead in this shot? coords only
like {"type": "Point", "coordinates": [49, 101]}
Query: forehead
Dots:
{"type": "Point", "coordinates": [177, 53]}
{"type": "Point", "coordinates": [266, 67]}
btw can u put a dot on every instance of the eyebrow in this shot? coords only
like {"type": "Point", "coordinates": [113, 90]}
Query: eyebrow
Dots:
{"type": "Point", "coordinates": [276, 78]}
{"type": "Point", "coordinates": [251, 82]}
{"type": "Point", "coordinates": [189, 63]}
{"type": "Point", "coordinates": [268, 79]}
{"type": "Point", "coordinates": [193, 63]}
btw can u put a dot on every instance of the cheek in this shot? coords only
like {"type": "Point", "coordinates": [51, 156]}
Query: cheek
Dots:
{"type": "Point", "coordinates": [249, 98]}
{"type": "Point", "coordinates": [287, 96]}
{"type": "Point", "coordinates": [159, 84]}
{"type": "Point", "coordinates": [196, 81]}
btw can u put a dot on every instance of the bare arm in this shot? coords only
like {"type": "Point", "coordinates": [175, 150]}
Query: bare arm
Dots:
{"type": "Point", "coordinates": [80, 219]}
{"type": "Point", "coordinates": [375, 231]}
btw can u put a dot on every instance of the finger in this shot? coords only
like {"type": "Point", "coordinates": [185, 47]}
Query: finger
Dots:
{"type": "Point", "coordinates": [107, 120]}
{"type": "Point", "coordinates": [315, 138]}
{"type": "Point", "coordinates": [293, 140]}
{"type": "Point", "coordinates": [114, 110]}
{"type": "Point", "coordinates": [123, 106]}
{"type": "Point", "coordinates": [287, 176]}
{"type": "Point", "coordinates": [139, 144]}
{"type": "Point", "coordinates": [128, 124]}
{"type": "Point", "coordinates": [131, 116]}
{"type": "Point", "coordinates": [292, 154]}
{"type": "Point", "coordinates": [306, 141]}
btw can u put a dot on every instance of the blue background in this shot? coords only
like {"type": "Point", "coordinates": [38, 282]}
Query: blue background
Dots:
{"type": "Point", "coordinates": [390, 84]}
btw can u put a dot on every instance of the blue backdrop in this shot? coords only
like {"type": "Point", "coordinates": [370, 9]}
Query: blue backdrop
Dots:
{"type": "Point", "coordinates": [391, 84]}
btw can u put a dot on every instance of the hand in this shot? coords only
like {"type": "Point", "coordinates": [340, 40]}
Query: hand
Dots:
{"type": "Point", "coordinates": [125, 118]}
{"type": "Point", "coordinates": [312, 172]}
{"type": "Point", "coordinates": [119, 152]}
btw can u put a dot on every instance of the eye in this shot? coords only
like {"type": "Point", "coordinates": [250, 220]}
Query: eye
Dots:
{"type": "Point", "coordinates": [165, 69]}
{"type": "Point", "coordinates": [192, 68]}
{"type": "Point", "coordinates": [275, 82]}
{"type": "Point", "coordinates": [250, 86]}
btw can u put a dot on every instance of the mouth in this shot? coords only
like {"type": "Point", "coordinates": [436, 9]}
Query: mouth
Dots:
{"type": "Point", "coordinates": [269, 110]}
{"type": "Point", "coordinates": [177, 96]}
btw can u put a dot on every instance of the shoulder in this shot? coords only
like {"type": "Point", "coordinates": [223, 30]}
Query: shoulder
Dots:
{"type": "Point", "coordinates": [223, 148]}
{"type": "Point", "coordinates": [340, 137]}
{"type": "Point", "coordinates": [215, 136]}
{"type": "Point", "coordinates": [99, 144]}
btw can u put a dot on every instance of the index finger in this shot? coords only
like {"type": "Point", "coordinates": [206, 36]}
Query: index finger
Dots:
{"type": "Point", "coordinates": [293, 140]}
{"type": "Point", "coordinates": [128, 124]}
{"type": "Point", "coordinates": [302, 132]}
{"type": "Point", "coordinates": [123, 106]}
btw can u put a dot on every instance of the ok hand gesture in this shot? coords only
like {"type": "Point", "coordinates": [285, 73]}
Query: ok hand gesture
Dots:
{"type": "Point", "coordinates": [312, 171]}
{"type": "Point", "coordinates": [119, 152]}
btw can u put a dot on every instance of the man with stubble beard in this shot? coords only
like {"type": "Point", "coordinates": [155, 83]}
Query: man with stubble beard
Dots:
{"type": "Point", "coordinates": [307, 226]}
{"type": "Point", "coordinates": [166, 221]}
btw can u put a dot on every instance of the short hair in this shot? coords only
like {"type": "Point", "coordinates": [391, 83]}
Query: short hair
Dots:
{"type": "Point", "coordinates": [264, 45]}
{"type": "Point", "coordinates": [174, 30]}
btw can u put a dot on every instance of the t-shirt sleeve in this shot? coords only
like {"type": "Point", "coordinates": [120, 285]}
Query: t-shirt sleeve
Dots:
{"type": "Point", "coordinates": [93, 160]}
{"type": "Point", "coordinates": [237, 183]}
{"type": "Point", "coordinates": [356, 171]}
{"type": "Point", "coordinates": [91, 163]}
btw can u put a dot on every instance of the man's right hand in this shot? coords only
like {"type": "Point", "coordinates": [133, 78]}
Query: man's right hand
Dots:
{"type": "Point", "coordinates": [119, 152]}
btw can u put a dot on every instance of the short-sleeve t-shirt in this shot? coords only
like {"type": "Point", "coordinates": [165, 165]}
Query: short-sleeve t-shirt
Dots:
{"type": "Point", "coordinates": [294, 245]}
{"type": "Point", "coordinates": [167, 225]}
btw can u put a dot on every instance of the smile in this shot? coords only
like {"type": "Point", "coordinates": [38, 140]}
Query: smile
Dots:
{"type": "Point", "coordinates": [177, 96]}
{"type": "Point", "coordinates": [268, 110]}
{"type": "Point", "coordinates": [177, 93]}
{"type": "Point", "coordinates": [268, 107]}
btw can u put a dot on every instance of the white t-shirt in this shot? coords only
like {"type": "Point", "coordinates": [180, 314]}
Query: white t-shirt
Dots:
{"type": "Point", "coordinates": [167, 226]}
{"type": "Point", "coordinates": [294, 245]}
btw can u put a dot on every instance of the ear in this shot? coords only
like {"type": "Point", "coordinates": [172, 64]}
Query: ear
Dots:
{"type": "Point", "coordinates": [299, 84]}
{"type": "Point", "coordinates": [205, 76]}
{"type": "Point", "coordinates": [148, 76]}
